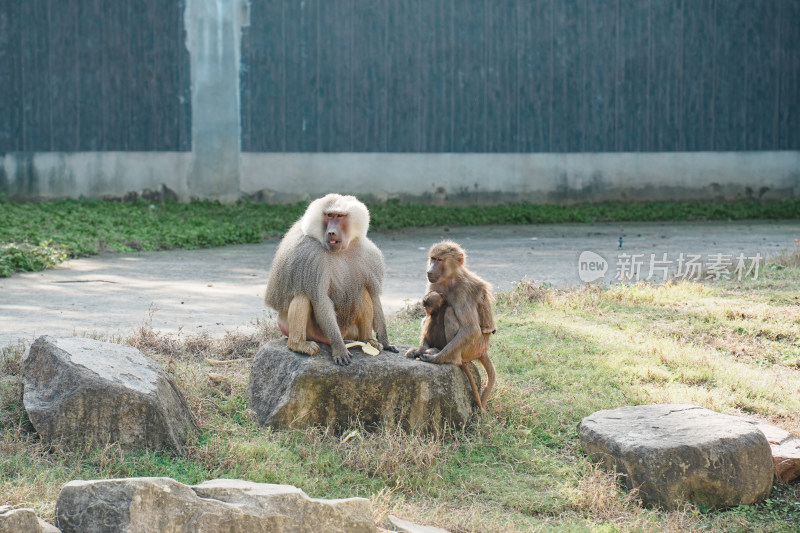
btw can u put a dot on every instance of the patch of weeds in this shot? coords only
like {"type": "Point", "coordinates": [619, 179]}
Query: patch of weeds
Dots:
{"type": "Point", "coordinates": [780, 512]}
{"type": "Point", "coordinates": [789, 258]}
{"type": "Point", "coordinates": [12, 413]}
{"type": "Point", "coordinates": [412, 311]}
{"type": "Point", "coordinates": [26, 257]}
{"type": "Point", "coordinates": [392, 454]}
{"type": "Point", "coordinates": [526, 291]}
{"type": "Point", "coordinates": [232, 345]}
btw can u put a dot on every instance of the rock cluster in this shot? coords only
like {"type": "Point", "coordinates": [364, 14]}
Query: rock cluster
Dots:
{"type": "Point", "coordinates": [288, 389]}
{"type": "Point", "coordinates": [672, 454]}
{"type": "Point", "coordinates": [81, 392]}
{"type": "Point", "coordinates": [156, 505]}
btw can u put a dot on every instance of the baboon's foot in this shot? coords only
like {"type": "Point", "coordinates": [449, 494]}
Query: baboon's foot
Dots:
{"type": "Point", "coordinates": [309, 348]}
{"type": "Point", "coordinates": [413, 353]}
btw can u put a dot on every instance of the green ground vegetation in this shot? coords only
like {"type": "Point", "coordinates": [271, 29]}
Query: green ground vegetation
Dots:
{"type": "Point", "coordinates": [36, 236]}
{"type": "Point", "coordinates": [730, 346]}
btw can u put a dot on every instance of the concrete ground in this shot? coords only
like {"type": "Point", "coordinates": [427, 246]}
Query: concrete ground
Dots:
{"type": "Point", "coordinates": [221, 289]}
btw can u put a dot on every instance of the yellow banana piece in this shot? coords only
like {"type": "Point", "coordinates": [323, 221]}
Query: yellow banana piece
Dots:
{"type": "Point", "coordinates": [365, 347]}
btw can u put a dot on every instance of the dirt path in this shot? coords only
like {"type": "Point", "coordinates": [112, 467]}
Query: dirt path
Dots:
{"type": "Point", "coordinates": [221, 289]}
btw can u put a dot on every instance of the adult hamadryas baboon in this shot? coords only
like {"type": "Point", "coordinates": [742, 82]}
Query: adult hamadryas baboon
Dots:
{"type": "Point", "coordinates": [326, 279]}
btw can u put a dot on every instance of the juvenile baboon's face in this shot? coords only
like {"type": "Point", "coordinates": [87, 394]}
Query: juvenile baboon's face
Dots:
{"type": "Point", "coordinates": [432, 302]}
{"type": "Point", "coordinates": [335, 231]}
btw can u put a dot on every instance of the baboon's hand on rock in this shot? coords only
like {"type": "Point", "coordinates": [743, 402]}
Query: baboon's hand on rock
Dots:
{"type": "Point", "coordinates": [391, 348]}
{"type": "Point", "coordinates": [385, 344]}
{"type": "Point", "coordinates": [342, 358]}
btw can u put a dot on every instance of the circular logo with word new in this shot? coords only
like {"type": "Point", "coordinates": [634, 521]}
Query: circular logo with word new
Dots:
{"type": "Point", "coordinates": [591, 266]}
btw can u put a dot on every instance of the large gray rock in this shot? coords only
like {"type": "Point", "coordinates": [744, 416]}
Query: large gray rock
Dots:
{"type": "Point", "coordinates": [23, 521]}
{"type": "Point", "coordinates": [79, 391]}
{"type": "Point", "coordinates": [289, 389]}
{"type": "Point", "coordinates": [681, 453]}
{"type": "Point", "coordinates": [155, 505]}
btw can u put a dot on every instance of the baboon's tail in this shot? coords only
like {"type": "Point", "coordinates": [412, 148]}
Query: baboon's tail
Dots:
{"type": "Point", "coordinates": [472, 384]}
{"type": "Point", "coordinates": [490, 377]}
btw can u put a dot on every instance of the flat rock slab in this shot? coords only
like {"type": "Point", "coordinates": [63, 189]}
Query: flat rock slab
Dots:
{"type": "Point", "coordinates": [404, 526]}
{"type": "Point", "coordinates": [23, 521]}
{"type": "Point", "coordinates": [785, 450]}
{"type": "Point", "coordinates": [156, 505]}
{"type": "Point", "coordinates": [681, 453]}
{"type": "Point", "coordinates": [786, 457]}
{"type": "Point", "coordinates": [289, 389]}
{"type": "Point", "coordinates": [80, 391]}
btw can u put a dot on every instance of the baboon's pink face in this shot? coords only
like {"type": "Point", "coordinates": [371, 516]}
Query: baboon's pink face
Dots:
{"type": "Point", "coordinates": [335, 231]}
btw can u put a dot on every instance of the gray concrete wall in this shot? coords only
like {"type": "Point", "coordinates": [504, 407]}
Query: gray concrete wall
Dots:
{"type": "Point", "coordinates": [539, 178]}
{"type": "Point", "coordinates": [56, 175]}
{"type": "Point", "coordinates": [430, 178]}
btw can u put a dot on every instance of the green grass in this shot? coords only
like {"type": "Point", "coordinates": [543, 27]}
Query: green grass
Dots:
{"type": "Point", "coordinates": [733, 347]}
{"type": "Point", "coordinates": [36, 236]}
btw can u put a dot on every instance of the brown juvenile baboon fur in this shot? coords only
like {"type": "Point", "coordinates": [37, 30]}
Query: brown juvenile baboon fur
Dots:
{"type": "Point", "coordinates": [434, 326]}
{"type": "Point", "coordinates": [466, 321]}
{"type": "Point", "coordinates": [438, 328]}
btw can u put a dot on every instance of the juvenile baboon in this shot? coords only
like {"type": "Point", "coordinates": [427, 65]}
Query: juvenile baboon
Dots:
{"type": "Point", "coordinates": [435, 328]}
{"type": "Point", "coordinates": [439, 327]}
{"type": "Point", "coordinates": [469, 299]}
{"type": "Point", "coordinates": [326, 279]}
